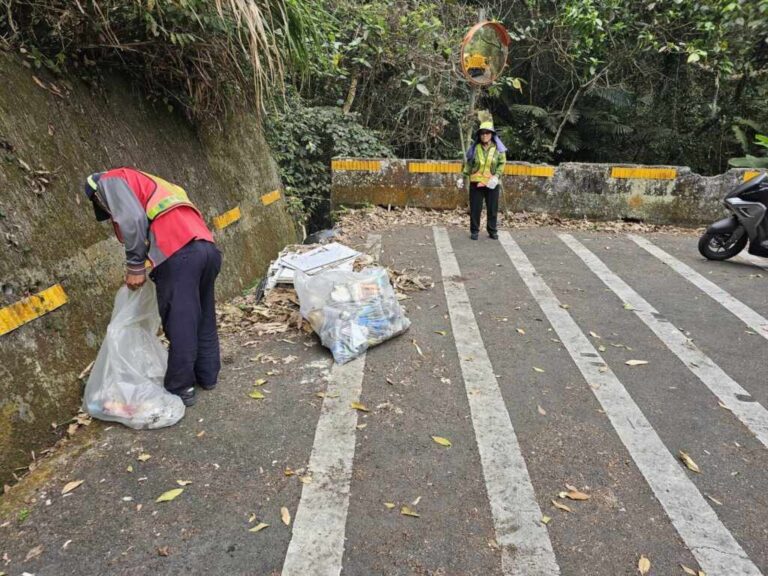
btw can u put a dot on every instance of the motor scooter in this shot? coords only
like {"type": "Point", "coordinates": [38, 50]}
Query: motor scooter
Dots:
{"type": "Point", "coordinates": [748, 204]}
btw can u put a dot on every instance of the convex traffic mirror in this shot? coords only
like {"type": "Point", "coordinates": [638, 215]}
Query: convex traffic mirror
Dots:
{"type": "Point", "coordinates": [484, 52]}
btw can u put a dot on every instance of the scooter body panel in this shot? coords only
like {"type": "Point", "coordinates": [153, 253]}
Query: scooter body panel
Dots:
{"type": "Point", "coordinates": [749, 214]}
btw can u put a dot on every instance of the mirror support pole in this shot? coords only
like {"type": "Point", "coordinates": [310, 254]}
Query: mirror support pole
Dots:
{"type": "Point", "coordinates": [473, 95]}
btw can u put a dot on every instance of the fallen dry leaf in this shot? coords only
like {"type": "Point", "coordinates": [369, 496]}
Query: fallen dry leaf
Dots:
{"type": "Point", "coordinates": [442, 441]}
{"type": "Point", "coordinates": [521, 331]}
{"type": "Point", "coordinates": [183, 482]}
{"type": "Point", "coordinates": [715, 500]}
{"type": "Point", "coordinates": [252, 518]}
{"type": "Point", "coordinates": [359, 406]}
{"type": "Point", "coordinates": [628, 306]}
{"type": "Point", "coordinates": [129, 469]}
{"type": "Point", "coordinates": [636, 362]}
{"type": "Point", "coordinates": [256, 395]}
{"type": "Point", "coordinates": [260, 382]}
{"type": "Point", "coordinates": [535, 369]}
{"type": "Point", "coordinates": [441, 332]}
{"type": "Point", "coordinates": [546, 520]}
{"type": "Point", "coordinates": [541, 410]}
{"type": "Point", "coordinates": [285, 516]}
{"type": "Point", "coordinates": [169, 495]}
{"type": "Point", "coordinates": [643, 565]}
{"type": "Point", "coordinates": [406, 511]}
{"type": "Point", "coordinates": [576, 495]}
{"type": "Point", "coordinates": [34, 553]}
{"type": "Point", "coordinates": [561, 506]}
{"type": "Point", "coordinates": [259, 527]}
{"type": "Point", "coordinates": [200, 434]}
{"type": "Point", "coordinates": [417, 348]}
{"type": "Point", "coordinates": [69, 486]}
{"type": "Point", "coordinates": [389, 505]}
{"type": "Point", "coordinates": [688, 461]}
{"type": "Point", "coordinates": [143, 457]}
{"type": "Point", "coordinates": [687, 570]}
{"type": "Point", "coordinates": [594, 334]}
{"type": "Point", "coordinates": [288, 471]}
{"type": "Point", "coordinates": [164, 551]}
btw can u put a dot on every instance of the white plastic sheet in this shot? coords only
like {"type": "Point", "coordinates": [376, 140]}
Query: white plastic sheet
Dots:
{"type": "Point", "coordinates": [126, 382]}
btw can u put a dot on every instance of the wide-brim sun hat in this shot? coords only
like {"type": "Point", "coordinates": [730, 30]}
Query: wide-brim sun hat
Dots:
{"type": "Point", "coordinates": [486, 127]}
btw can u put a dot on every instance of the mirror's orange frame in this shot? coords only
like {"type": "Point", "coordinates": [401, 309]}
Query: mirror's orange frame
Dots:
{"type": "Point", "coordinates": [502, 34]}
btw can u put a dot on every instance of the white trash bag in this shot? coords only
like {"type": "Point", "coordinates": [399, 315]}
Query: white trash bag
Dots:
{"type": "Point", "coordinates": [351, 311]}
{"type": "Point", "coordinates": [126, 382]}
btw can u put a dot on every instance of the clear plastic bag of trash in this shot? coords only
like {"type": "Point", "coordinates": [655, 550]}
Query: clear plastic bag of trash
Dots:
{"type": "Point", "coordinates": [126, 381]}
{"type": "Point", "coordinates": [351, 311]}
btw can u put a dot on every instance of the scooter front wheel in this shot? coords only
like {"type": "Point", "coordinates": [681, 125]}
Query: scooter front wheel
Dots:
{"type": "Point", "coordinates": [722, 246]}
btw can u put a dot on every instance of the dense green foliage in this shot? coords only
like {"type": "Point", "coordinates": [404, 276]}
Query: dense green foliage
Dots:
{"type": "Point", "coordinates": [202, 56]}
{"type": "Point", "coordinates": [653, 81]}
{"type": "Point", "coordinates": [304, 140]}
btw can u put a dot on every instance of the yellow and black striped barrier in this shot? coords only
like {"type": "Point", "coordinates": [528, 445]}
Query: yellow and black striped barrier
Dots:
{"type": "Point", "coordinates": [227, 218]}
{"type": "Point", "coordinates": [31, 307]}
{"type": "Point", "coordinates": [434, 167]}
{"type": "Point", "coordinates": [356, 165]}
{"type": "Point", "coordinates": [621, 172]}
{"type": "Point", "coordinates": [271, 197]}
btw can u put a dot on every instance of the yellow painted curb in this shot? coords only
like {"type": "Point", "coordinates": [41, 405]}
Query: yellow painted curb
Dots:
{"type": "Point", "coordinates": [540, 171]}
{"type": "Point", "coordinates": [644, 173]}
{"type": "Point", "coordinates": [356, 165]}
{"type": "Point", "coordinates": [271, 197]}
{"type": "Point", "coordinates": [31, 307]}
{"type": "Point", "coordinates": [229, 217]}
{"type": "Point", "coordinates": [434, 168]}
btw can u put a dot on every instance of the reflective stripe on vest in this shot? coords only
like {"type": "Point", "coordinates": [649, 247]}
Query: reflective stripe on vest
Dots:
{"type": "Point", "coordinates": [484, 173]}
{"type": "Point", "coordinates": [166, 197]}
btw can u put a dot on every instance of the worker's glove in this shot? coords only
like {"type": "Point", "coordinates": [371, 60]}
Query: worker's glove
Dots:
{"type": "Point", "coordinates": [493, 181]}
{"type": "Point", "coordinates": [460, 183]}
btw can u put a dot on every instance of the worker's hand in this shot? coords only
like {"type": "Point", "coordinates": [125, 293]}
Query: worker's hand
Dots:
{"type": "Point", "coordinates": [135, 281]}
{"type": "Point", "coordinates": [460, 183]}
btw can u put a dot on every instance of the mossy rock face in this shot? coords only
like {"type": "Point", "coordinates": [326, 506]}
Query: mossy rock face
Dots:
{"type": "Point", "coordinates": [48, 144]}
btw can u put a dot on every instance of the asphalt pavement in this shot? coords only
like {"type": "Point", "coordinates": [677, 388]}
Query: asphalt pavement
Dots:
{"type": "Point", "coordinates": [568, 371]}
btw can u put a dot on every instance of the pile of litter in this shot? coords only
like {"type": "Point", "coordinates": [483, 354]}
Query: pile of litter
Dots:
{"type": "Point", "coordinates": [367, 316]}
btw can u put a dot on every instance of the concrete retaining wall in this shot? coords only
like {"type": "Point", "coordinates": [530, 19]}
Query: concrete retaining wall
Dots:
{"type": "Point", "coordinates": [658, 194]}
{"type": "Point", "coordinates": [51, 137]}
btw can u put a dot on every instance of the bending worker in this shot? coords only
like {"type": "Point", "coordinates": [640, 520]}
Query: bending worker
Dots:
{"type": "Point", "coordinates": [155, 221]}
{"type": "Point", "coordinates": [484, 164]}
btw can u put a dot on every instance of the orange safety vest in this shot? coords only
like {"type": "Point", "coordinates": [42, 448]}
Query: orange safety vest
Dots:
{"type": "Point", "coordinates": [166, 197]}
{"type": "Point", "coordinates": [486, 161]}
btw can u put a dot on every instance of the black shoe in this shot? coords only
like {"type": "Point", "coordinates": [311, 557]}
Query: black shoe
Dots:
{"type": "Point", "coordinates": [473, 236]}
{"type": "Point", "coordinates": [187, 395]}
{"type": "Point", "coordinates": [493, 235]}
{"type": "Point", "coordinates": [208, 386]}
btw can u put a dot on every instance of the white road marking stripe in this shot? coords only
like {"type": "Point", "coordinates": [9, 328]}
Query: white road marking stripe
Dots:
{"type": "Point", "coordinates": [317, 542]}
{"type": "Point", "coordinates": [526, 548]}
{"type": "Point", "coordinates": [730, 393]}
{"type": "Point", "coordinates": [743, 312]}
{"type": "Point", "coordinates": [710, 542]}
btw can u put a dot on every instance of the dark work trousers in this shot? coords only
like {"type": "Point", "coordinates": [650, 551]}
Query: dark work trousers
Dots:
{"type": "Point", "coordinates": [187, 309]}
{"type": "Point", "coordinates": [478, 194]}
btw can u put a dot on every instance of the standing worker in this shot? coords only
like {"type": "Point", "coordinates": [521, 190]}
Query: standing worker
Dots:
{"type": "Point", "coordinates": [155, 221]}
{"type": "Point", "coordinates": [484, 164]}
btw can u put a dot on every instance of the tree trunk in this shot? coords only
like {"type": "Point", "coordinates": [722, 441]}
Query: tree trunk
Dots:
{"type": "Point", "coordinates": [350, 96]}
